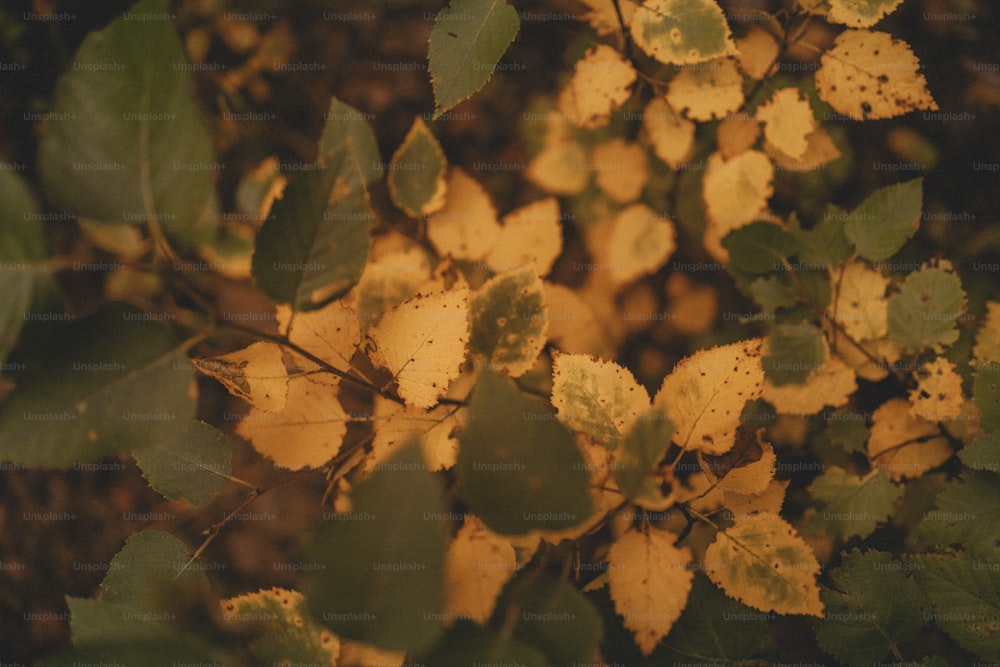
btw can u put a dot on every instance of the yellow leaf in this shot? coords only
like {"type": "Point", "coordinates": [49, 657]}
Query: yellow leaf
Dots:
{"type": "Point", "coordinates": [735, 134]}
{"type": "Point", "coordinates": [709, 90]}
{"type": "Point", "coordinates": [820, 151]}
{"type": "Point", "coordinates": [639, 244]}
{"type": "Point", "coordinates": [693, 307]}
{"type": "Point", "coordinates": [762, 562]}
{"type": "Point", "coordinates": [257, 374]}
{"type": "Point", "coordinates": [307, 433]}
{"type": "Point", "coordinates": [620, 169]}
{"type": "Point", "coordinates": [387, 281]}
{"type": "Point", "coordinates": [477, 565]}
{"type": "Point", "coordinates": [561, 168]}
{"type": "Point", "coordinates": [600, 84]}
{"type": "Point", "coordinates": [736, 191]}
{"type": "Point", "coordinates": [860, 13]}
{"type": "Point", "coordinates": [904, 445]}
{"type": "Point", "coordinates": [360, 654]}
{"type": "Point", "coordinates": [705, 394]}
{"type": "Point", "coordinates": [396, 425]}
{"type": "Point", "coordinates": [649, 583]}
{"type": "Point", "coordinates": [423, 343]}
{"type": "Point", "coordinates": [332, 333]}
{"type": "Point", "coordinates": [670, 136]}
{"type": "Point", "coordinates": [788, 120]}
{"type": "Point", "coordinates": [602, 16]}
{"type": "Point", "coordinates": [938, 395]}
{"type": "Point", "coordinates": [757, 51]}
{"type": "Point", "coordinates": [831, 385]}
{"type": "Point", "coordinates": [884, 350]}
{"type": "Point", "coordinates": [531, 234]}
{"type": "Point", "coordinates": [859, 305]}
{"type": "Point", "coordinates": [573, 327]}
{"type": "Point", "coordinates": [746, 506]}
{"type": "Point", "coordinates": [870, 75]}
{"type": "Point", "coordinates": [466, 227]}
{"type": "Point", "coordinates": [987, 348]}
{"type": "Point", "coordinates": [753, 478]}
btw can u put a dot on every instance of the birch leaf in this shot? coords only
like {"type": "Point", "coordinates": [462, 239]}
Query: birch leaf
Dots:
{"type": "Point", "coordinates": [904, 445]}
{"type": "Point", "coordinates": [859, 304]}
{"type": "Point", "coordinates": [466, 227]}
{"type": "Point", "coordinates": [736, 191]}
{"type": "Point", "coordinates": [531, 234]}
{"type": "Point", "coordinates": [670, 136]}
{"type": "Point", "coordinates": [860, 13]}
{"type": "Point", "coordinates": [417, 172]}
{"type": "Point", "coordinates": [640, 243]}
{"type": "Point", "coordinates": [710, 91]}
{"type": "Point", "coordinates": [681, 32]}
{"type": "Point", "coordinates": [832, 385]}
{"type": "Point", "coordinates": [620, 169]}
{"type": "Point", "coordinates": [788, 120]}
{"type": "Point", "coordinates": [477, 565]}
{"type": "Point", "coordinates": [332, 333]}
{"type": "Point", "coordinates": [398, 425]}
{"type": "Point", "coordinates": [256, 374]}
{"type": "Point", "coordinates": [938, 394]}
{"type": "Point", "coordinates": [601, 83]}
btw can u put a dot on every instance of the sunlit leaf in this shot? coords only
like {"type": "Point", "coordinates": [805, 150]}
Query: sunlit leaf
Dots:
{"type": "Point", "coordinates": [831, 385]}
{"type": "Point", "coordinates": [600, 84]}
{"type": "Point", "coordinates": [257, 374]}
{"type": "Point", "coordinates": [681, 32]}
{"type": "Point", "coordinates": [861, 13]}
{"type": "Point", "coordinates": [708, 91]}
{"type": "Point", "coordinates": [737, 190]}
{"type": "Point", "coordinates": [466, 226]}
{"type": "Point", "coordinates": [904, 445]}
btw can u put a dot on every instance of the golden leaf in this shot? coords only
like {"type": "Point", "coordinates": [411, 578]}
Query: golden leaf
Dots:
{"type": "Point", "coordinates": [820, 151]}
{"type": "Point", "coordinates": [938, 395]}
{"type": "Point", "coordinates": [860, 13]}
{"type": "Point", "coordinates": [466, 226]}
{"type": "Point", "coordinates": [256, 374]}
{"type": "Point", "coordinates": [987, 348]}
{"type": "Point", "coordinates": [477, 565]}
{"type": "Point", "coordinates": [670, 136]}
{"type": "Point", "coordinates": [531, 234]}
{"type": "Point", "coordinates": [332, 333]}
{"type": "Point", "coordinates": [788, 120]}
{"type": "Point", "coordinates": [736, 191]}
{"type": "Point", "coordinates": [830, 385]}
{"type": "Point", "coordinates": [600, 84]}
{"type": "Point", "coordinates": [904, 445]}
{"type": "Point", "coordinates": [396, 425]}
{"type": "Point", "coordinates": [736, 133]}
{"type": "Point", "coordinates": [640, 243]}
{"type": "Point", "coordinates": [859, 304]}
{"type": "Point", "coordinates": [620, 169]}
{"type": "Point", "coordinates": [757, 51]}
{"type": "Point", "coordinates": [706, 91]}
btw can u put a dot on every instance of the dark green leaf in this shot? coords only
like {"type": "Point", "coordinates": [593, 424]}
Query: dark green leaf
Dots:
{"type": "Point", "coordinates": [347, 129]}
{"type": "Point", "coordinates": [152, 568]}
{"type": "Point", "coordinates": [983, 454]}
{"type": "Point", "coordinates": [825, 243]}
{"type": "Point", "coordinates": [194, 465]}
{"type": "Point", "coordinates": [639, 455]}
{"type": "Point", "coordinates": [854, 505]}
{"type": "Point", "coordinates": [886, 220]}
{"type": "Point", "coordinates": [967, 515]}
{"type": "Point", "coordinates": [416, 180]}
{"type": "Point", "coordinates": [924, 313]}
{"type": "Point", "coordinates": [986, 391]}
{"type": "Point", "coordinates": [794, 351]}
{"type": "Point", "coordinates": [760, 247]}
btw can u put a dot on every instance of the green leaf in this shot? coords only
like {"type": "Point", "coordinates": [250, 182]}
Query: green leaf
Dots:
{"type": "Point", "coordinates": [285, 632]}
{"type": "Point", "coordinates": [772, 293]}
{"type": "Point", "coordinates": [129, 144]}
{"type": "Point", "coordinates": [24, 278]}
{"type": "Point", "coordinates": [638, 458]}
{"type": "Point", "coordinates": [107, 383]}
{"type": "Point", "coordinates": [518, 468]}
{"type": "Point", "coordinates": [681, 32]}
{"type": "Point", "coordinates": [825, 243]}
{"type": "Point", "coordinates": [509, 320]}
{"type": "Point", "coordinates": [347, 128]}
{"type": "Point", "coordinates": [467, 42]}
{"type": "Point", "coordinates": [874, 605]}
{"type": "Point", "coordinates": [760, 247]}
{"type": "Point", "coordinates": [468, 644]}
{"type": "Point", "coordinates": [417, 182]}
{"type": "Point", "coordinates": [313, 246]}
{"type": "Point", "coordinates": [794, 351]}
{"type": "Point", "coordinates": [378, 574]}
{"type": "Point", "coordinates": [967, 515]}
{"type": "Point", "coordinates": [886, 220]}
{"type": "Point", "coordinates": [194, 465]}
{"type": "Point", "coordinates": [151, 569]}
{"type": "Point", "coordinates": [552, 616]}
{"type": "Point", "coordinates": [965, 597]}
{"type": "Point", "coordinates": [847, 430]}
{"type": "Point", "coordinates": [854, 505]}
{"type": "Point", "coordinates": [127, 651]}
{"type": "Point", "coordinates": [986, 392]}
{"type": "Point", "coordinates": [924, 313]}
{"type": "Point", "coordinates": [983, 454]}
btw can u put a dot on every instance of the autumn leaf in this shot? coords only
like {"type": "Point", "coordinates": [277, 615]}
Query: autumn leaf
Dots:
{"type": "Point", "coordinates": [709, 91]}
{"type": "Point", "coordinates": [788, 120]}
{"type": "Point", "coordinates": [509, 320]}
{"type": "Point", "coordinates": [620, 169]}
{"type": "Point", "coordinates": [681, 32]}
{"type": "Point", "coordinates": [649, 582]}
{"type": "Point", "coordinates": [904, 445]}
{"type": "Point", "coordinates": [477, 565]}
{"type": "Point", "coordinates": [987, 348]}
{"type": "Point", "coordinates": [256, 374]}
{"type": "Point", "coordinates": [735, 134]}
{"type": "Point", "coordinates": [529, 235]}
{"type": "Point", "coordinates": [600, 84]}
{"type": "Point", "coordinates": [416, 173]}
{"type": "Point", "coordinates": [859, 304]}
{"type": "Point", "coordinates": [737, 190]}
{"type": "Point", "coordinates": [860, 13]}
{"type": "Point", "coordinates": [397, 425]}
{"type": "Point", "coordinates": [756, 52]}
{"type": "Point", "coordinates": [831, 385]}
{"type": "Point", "coordinates": [466, 226]}
{"type": "Point", "coordinates": [640, 243]}
{"type": "Point", "coordinates": [938, 394]}
{"type": "Point", "coordinates": [670, 136]}
{"type": "Point", "coordinates": [332, 333]}
{"type": "Point", "coordinates": [556, 169]}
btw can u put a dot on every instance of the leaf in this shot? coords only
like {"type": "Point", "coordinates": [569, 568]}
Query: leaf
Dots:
{"type": "Point", "coordinates": [620, 169]}
{"type": "Point", "coordinates": [513, 448]}
{"type": "Point", "coordinates": [599, 398]}
{"type": "Point", "coordinates": [477, 566]}
{"type": "Point", "coordinates": [904, 445]}
{"type": "Point", "coordinates": [869, 75]}
{"type": "Point", "coordinates": [467, 42]}
{"type": "Point", "coordinates": [307, 433]}
{"type": "Point", "coordinates": [924, 313]}
{"type": "Point", "coordinates": [347, 129]}
{"type": "Point", "coordinates": [756, 52]}
{"type": "Point", "coordinates": [388, 280]}
{"type": "Point", "coordinates": [735, 192]}
{"type": "Point", "coordinates": [466, 227]}
{"type": "Point", "coordinates": [509, 321]}
{"type": "Point", "coordinates": [874, 606]}
{"type": "Point", "coordinates": [987, 348]}
{"type": "Point", "coordinates": [704, 395]}
{"type": "Point", "coordinates": [860, 13]}
{"type": "Point", "coordinates": [788, 120]}
{"type": "Point", "coordinates": [762, 562]}
{"type": "Point", "coordinates": [649, 582]}
{"type": "Point", "coordinates": [332, 334]}
{"type": "Point", "coordinates": [965, 600]}
{"type": "Point", "coordinates": [736, 133]}
{"type": "Point", "coordinates": [637, 461]}
{"type": "Point", "coordinates": [85, 391]}
{"type": "Point", "coordinates": [469, 644]}
{"type": "Point", "coordinates": [886, 219]}
{"type": "Point", "coordinates": [256, 374]}
{"type": "Point", "coordinates": [986, 390]}
{"type": "Point", "coordinates": [417, 172]}
{"type": "Point", "coordinates": [194, 465]}
{"type": "Point", "coordinates": [854, 505]}
{"type": "Point", "coordinates": [831, 385]}
{"type": "Point", "coordinates": [760, 247]}
{"type": "Point", "coordinates": [670, 136]}
{"type": "Point", "coordinates": [398, 425]}
{"type": "Point", "coordinates": [820, 152]}
{"type": "Point", "coordinates": [938, 394]}
{"type": "Point", "coordinates": [750, 478]}
{"type": "Point", "coordinates": [967, 516]}
{"type": "Point", "coordinates": [793, 352]}
{"type": "Point", "coordinates": [681, 32]}
{"type": "Point", "coordinates": [600, 84]}
{"type": "Point", "coordinates": [380, 570]}
{"type": "Point", "coordinates": [556, 168]}
{"type": "Point", "coordinates": [982, 454]}
{"type": "Point", "coordinates": [131, 145]}
{"type": "Point", "coordinates": [283, 631]}
{"type": "Point", "coordinates": [859, 305]}
{"type": "Point", "coordinates": [531, 234]}
{"type": "Point", "coordinates": [640, 243]}
{"type": "Point", "coordinates": [708, 91]}
{"type": "Point", "coordinates": [150, 571]}
{"type": "Point", "coordinates": [423, 343]}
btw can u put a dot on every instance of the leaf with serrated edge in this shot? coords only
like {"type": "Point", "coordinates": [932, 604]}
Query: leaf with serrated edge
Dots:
{"type": "Point", "coordinates": [194, 465]}
{"type": "Point", "coordinates": [987, 348]}
{"type": "Point", "coordinates": [788, 120]}
{"type": "Point", "coordinates": [832, 385]}
{"type": "Point", "coordinates": [423, 343]}
{"type": "Point", "coordinates": [681, 32]}
{"type": "Point", "coordinates": [670, 136]}
{"type": "Point", "coordinates": [466, 227]}
{"type": "Point", "coordinates": [256, 374]}
{"type": "Point", "coordinates": [396, 425]}
{"type": "Point", "coordinates": [736, 191]}
{"type": "Point", "coordinates": [763, 563]}
{"type": "Point", "coordinates": [752, 478]}
{"type": "Point", "coordinates": [640, 243]}
{"type": "Point", "coordinates": [531, 234]}
{"type": "Point", "coordinates": [417, 172]}
{"type": "Point", "coordinates": [938, 394]}
{"type": "Point", "coordinates": [859, 304]}
{"type": "Point", "coordinates": [332, 333]}
{"type": "Point", "coordinates": [600, 84]}
{"type": "Point", "coordinates": [705, 394]}
{"type": "Point", "coordinates": [860, 13]}
{"type": "Point", "coordinates": [904, 445]}
{"type": "Point", "coordinates": [509, 320]}
{"type": "Point", "coordinates": [706, 92]}
{"type": "Point", "coordinates": [478, 564]}
{"type": "Point", "coordinates": [886, 219]}
{"type": "Point", "coordinates": [925, 312]}
{"type": "Point", "coordinates": [649, 582]}
{"type": "Point", "coordinates": [854, 505]}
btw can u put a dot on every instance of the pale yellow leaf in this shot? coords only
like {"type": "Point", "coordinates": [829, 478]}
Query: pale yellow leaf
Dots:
{"type": "Point", "coordinates": [466, 226]}
{"type": "Point", "coordinates": [831, 385]}
{"type": "Point", "coordinates": [307, 433]}
{"type": "Point", "coordinates": [788, 121]}
{"type": "Point", "coordinates": [620, 169]}
{"type": "Point", "coordinates": [423, 343]}
{"type": "Point", "coordinates": [600, 84]}
{"type": "Point", "coordinates": [396, 425]}
{"type": "Point", "coordinates": [859, 304]}
{"type": "Point", "coordinates": [736, 191]}
{"type": "Point", "coordinates": [573, 327]}
{"type": "Point", "coordinates": [987, 348]}
{"type": "Point", "coordinates": [883, 351]}
{"type": "Point", "coordinates": [745, 506]}
{"type": "Point", "coordinates": [706, 392]}
{"type": "Point", "coordinates": [639, 244]}
{"type": "Point", "coordinates": [561, 168]}
{"type": "Point", "coordinates": [820, 151]}
{"type": "Point", "coordinates": [681, 32]}
{"type": "Point", "coordinates": [753, 478]}
{"type": "Point", "coordinates": [938, 395]}
{"type": "Point", "coordinates": [860, 13]}
{"type": "Point", "coordinates": [763, 562]}
{"type": "Point", "coordinates": [710, 90]}
{"type": "Point", "coordinates": [477, 565]}
{"type": "Point", "coordinates": [332, 333]}
{"type": "Point", "coordinates": [531, 234]}
{"type": "Point", "coordinates": [257, 374]}
{"type": "Point", "coordinates": [736, 133]}
{"type": "Point", "coordinates": [904, 445]}
{"type": "Point", "coordinates": [649, 582]}
{"type": "Point", "coordinates": [871, 75]}
{"type": "Point", "coordinates": [670, 136]}
{"type": "Point", "coordinates": [693, 307]}
{"type": "Point", "coordinates": [757, 51]}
